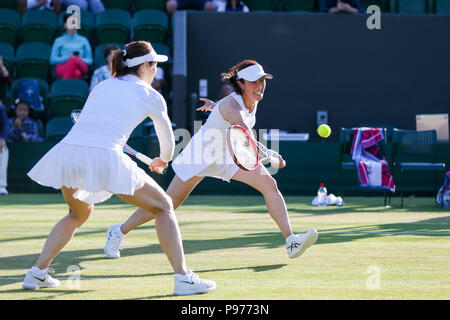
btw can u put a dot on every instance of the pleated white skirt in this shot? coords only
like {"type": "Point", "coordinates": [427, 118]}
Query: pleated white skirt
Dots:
{"type": "Point", "coordinates": [98, 173]}
{"type": "Point", "coordinates": [205, 157]}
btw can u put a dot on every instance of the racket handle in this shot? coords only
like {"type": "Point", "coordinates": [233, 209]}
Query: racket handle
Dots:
{"type": "Point", "coordinates": [144, 158]}
{"type": "Point", "coordinates": [273, 157]}
{"type": "Point", "coordinates": [147, 161]}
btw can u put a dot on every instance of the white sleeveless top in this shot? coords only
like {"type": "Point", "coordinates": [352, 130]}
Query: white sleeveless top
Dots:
{"type": "Point", "coordinates": [216, 121]}
{"type": "Point", "coordinates": [207, 154]}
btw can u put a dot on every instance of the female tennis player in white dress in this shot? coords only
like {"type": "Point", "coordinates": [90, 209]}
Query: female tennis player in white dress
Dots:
{"type": "Point", "coordinates": [207, 155]}
{"type": "Point", "coordinates": [88, 165]}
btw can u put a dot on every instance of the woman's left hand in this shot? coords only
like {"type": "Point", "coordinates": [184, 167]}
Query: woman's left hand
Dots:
{"type": "Point", "coordinates": [208, 106]}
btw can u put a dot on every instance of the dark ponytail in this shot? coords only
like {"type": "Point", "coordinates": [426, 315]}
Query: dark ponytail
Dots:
{"type": "Point", "coordinates": [230, 76]}
{"type": "Point", "coordinates": [132, 50]}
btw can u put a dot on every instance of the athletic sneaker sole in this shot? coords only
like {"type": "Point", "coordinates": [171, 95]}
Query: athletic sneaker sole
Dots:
{"type": "Point", "coordinates": [185, 293]}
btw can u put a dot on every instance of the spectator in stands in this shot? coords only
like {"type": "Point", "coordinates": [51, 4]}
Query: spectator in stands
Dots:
{"type": "Point", "coordinates": [22, 127]}
{"type": "Point", "coordinates": [103, 72]}
{"type": "Point", "coordinates": [4, 153]}
{"type": "Point", "coordinates": [24, 5]}
{"type": "Point", "coordinates": [225, 90]}
{"type": "Point", "coordinates": [174, 5]}
{"type": "Point", "coordinates": [230, 6]}
{"type": "Point", "coordinates": [95, 6]}
{"type": "Point", "coordinates": [5, 78]}
{"type": "Point", "coordinates": [158, 80]}
{"type": "Point", "coordinates": [344, 6]}
{"type": "Point", "coordinates": [4, 73]}
{"type": "Point", "coordinates": [71, 53]}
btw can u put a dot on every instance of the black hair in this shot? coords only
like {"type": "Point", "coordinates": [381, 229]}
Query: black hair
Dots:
{"type": "Point", "coordinates": [231, 76]}
{"type": "Point", "coordinates": [108, 50]}
{"type": "Point", "coordinates": [66, 17]}
{"type": "Point", "coordinates": [132, 50]}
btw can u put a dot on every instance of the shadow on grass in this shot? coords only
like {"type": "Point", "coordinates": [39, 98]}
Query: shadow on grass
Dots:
{"type": "Point", "coordinates": [435, 227]}
{"type": "Point", "coordinates": [42, 294]}
{"type": "Point", "coordinates": [75, 257]}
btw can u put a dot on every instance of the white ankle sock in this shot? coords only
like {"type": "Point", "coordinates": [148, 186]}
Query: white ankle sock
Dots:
{"type": "Point", "coordinates": [119, 232]}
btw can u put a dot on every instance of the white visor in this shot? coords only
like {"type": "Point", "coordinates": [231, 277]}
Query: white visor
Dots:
{"type": "Point", "coordinates": [152, 56]}
{"type": "Point", "coordinates": [253, 73]}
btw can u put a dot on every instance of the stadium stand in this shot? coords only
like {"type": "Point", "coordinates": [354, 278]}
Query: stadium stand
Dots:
{"type": "Point", "coordinates": [118, 4]}
{"type": "Point", "coordinates": [9, 58]}
{"type": "Point", "coordinates": [87, 26]}
{"type": "Point", "coordinates": [57, 128]}
{"type": "Point", "coordinates": [150, 4]}
{"type": "Point", "coordinates": [67, 95]}
{"type": "Point", "coordinates": [113, 25]}
{"type": "Point", "coordinates": [9, 26]}
{"type": "Point", "coordinates": [43, 92]}
{"type": "Point", "coordinates": [150, 25]}
{"type": "Point", "coordinates": [295, 5]}
{"type": "Point", "coordinates": [442, 6]}
{"type": "Point", "coordinates": [33, 60]}
{"type": "Point", "coordinates": [39, 26]}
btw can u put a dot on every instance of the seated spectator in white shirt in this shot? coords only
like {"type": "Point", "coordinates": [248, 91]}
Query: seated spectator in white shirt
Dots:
{"type": "Point", "coordinates": [158, 80]}
{"type": "Point", "coordinates": [103, 72]}
{"type": "Point", "coordinates": [53, 5]}
{"type": "Point", "coordinates": [231, 6]}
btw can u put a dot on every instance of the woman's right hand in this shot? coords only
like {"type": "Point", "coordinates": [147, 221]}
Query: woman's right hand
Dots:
{"type": "Point", "coordinates": [206, 106]}
{"type": "Point", "coordinates": [158, 166]}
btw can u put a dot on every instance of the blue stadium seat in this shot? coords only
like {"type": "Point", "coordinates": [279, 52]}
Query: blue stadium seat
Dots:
{"type": "Point", "coordinates": [39, 26]}
{"type": "Point", "coordinates": [150, 25]}
{"type": "Point", "coordinates": [9, 26]}
{"type": "Point", "coordinates": [150, 4]}
{"type": "Point", "coordinates": [383, 4]}
{"type": "Point", "coordinates": [117, 4]}
{"type": "Point", "coordinates": [33, 60]}
{"type": "Point", "coordinates": [442, 6]}
{"type": "Point", "coordinates": [57, 127]}
{"type": "Point", "coordinates": [410, 6]}
{"type": "Point", "coordinates": [9, 4]}
{"type": "Point", "coordinates": [67, 95]}
{"type": "Point", "coordinates": [113, 25]}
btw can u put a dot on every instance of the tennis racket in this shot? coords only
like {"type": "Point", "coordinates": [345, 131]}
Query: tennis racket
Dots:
{"type": "Point", "coordinates": [75, 114]}
{"type": "Point", "coordinates": [248, 153]}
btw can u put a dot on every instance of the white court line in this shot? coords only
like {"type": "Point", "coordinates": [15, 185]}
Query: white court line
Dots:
{"type": "Point", "coordinates": [137, 278]}
{"type": "Point", "coordinates": [440, 233]}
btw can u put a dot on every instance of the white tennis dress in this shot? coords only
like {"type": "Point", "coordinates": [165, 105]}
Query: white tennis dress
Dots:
{"type": "Point", "coordinates": [90, 156]}
{"type": "Point", "coordinates": [207, 154]}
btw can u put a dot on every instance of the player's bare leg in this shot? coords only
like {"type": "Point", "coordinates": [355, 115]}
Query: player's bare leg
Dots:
{"type": "Point", "coordinates": [178, 191]}
{"type": "Point", "coordinates": [79, 211]}
{"type": "Point", "coordinates": [261, 180]}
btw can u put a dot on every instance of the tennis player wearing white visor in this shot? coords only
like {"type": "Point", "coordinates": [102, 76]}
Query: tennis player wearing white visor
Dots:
{"type": "Point", "coordinates": [206, 157]}
{"type": "Point", "coordinates": [88, 165]}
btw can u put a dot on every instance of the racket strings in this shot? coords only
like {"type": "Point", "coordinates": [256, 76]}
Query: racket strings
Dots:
{"type": "Point", "coordinates": [244, 150]}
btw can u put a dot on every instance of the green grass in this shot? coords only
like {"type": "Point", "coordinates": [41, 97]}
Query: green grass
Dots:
{"type": "Point", "coordinates": [232, 240]}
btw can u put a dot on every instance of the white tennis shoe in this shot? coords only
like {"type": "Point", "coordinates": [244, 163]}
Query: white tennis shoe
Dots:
{"type": "Point", "coordinates": [190, 283]}
{"type": "Point", "coordinates": [113, 242]}
{"type": "Point", "coordinates": [37, 278]}
{"type": "Point", "coordinates": [296, 244]}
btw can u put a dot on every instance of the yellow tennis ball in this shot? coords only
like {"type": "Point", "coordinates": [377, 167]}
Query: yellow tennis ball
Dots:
{"type": "Point", "coordinates": [324, 130]}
